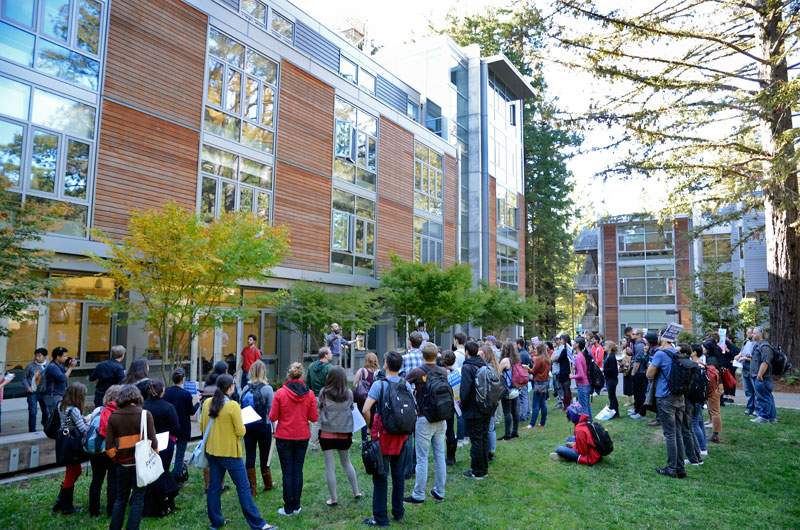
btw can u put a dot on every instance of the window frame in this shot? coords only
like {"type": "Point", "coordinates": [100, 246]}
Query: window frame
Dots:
{"type": "Point", "coordinates": [426, 167]}
{"type": "Point", "coordinates": [273, 14]}
{"type": "Point", "coordinates": [349, 155]}
{"type": "Point", "coordinates": [507, 262]}
{"type": "Point", "coordinates": [426, 241]}
{"type": "Point", "coordinates": [345, 59]}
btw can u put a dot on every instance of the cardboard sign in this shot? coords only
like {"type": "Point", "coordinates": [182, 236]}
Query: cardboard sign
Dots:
{"type": "Point", "coordinates": [671, 332]}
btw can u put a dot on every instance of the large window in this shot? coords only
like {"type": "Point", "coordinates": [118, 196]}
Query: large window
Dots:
{"type": "Point", "coordinates": [507, 266]}
{"type": "Point", "coordinates": [60, 38]}
{"type": "Point", "coordinates": [428, 188]}
{"type": "Point", "coordinates": [643, 241]}
{"type": "Point", "coordinates": [241, 94]}
{"type": "Point", "coordinates": [428, 241]}
{"type": "Point", "coordinates": [507, 216]}
{"type": "Point", "coordinates": [231, 182]}
{"type": "Point", "coordinates": [647, 284]}
{"type": "Point", "coordinates": [505, 149]}
{"type": "Point", "coordinates": [46, 146]}
{"type": "Point", "coordinates": [716, 246]}
{"type": "Point", "coordinates": [355, 146]}
{"type": "Point", "coordinates": [651, 320]}
{"type": "Point", "coordinates": [353, 234]}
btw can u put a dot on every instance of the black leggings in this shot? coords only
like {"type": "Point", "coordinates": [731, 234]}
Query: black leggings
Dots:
{"type": "Point", "coordinates": [611, 384]}
{"type": "Point", "coordinates": [511, 416]}
{"type": "Point", "coordinates": [639, 393]}
{"type": "Point", "coordinates": [259, 434]}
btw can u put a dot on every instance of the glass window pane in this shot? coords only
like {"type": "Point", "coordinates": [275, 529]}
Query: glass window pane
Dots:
{"type": "Point", "coordinates": [365, 208]}
{"type": "Point", "coordinates": [214, 92]}
{"type": "Point", "coordinates": [361, 149]}
{"type": "Point", "coordinates": [56, 18]}
{"type": "Point", "coordinates": [365, 179]}
{"type": "Point", "coordinates": [417, 247]}
{"type": "Point", "coordinates": [89, 12]}
{"type": "Point", "coordinates": [251, 99]}
{"type": "Point", "coordinates": [370, 239]}
{"type": "Point", "coordinates": [341, 231]}
{"type": "Point", "coordinates": [73, 223]}
{"type": "Point", "coordinates": [256, 173]}
{"type": "Point", "coordinates": [418, 175]}
{"type": "Point", "coordinates": [263, 205]}
{"type": "Point", "coordinates": [43, 162]}
{"type": "Point", "coordinates": [11, 137]}
{"type": "Point", "coordinates": [635, 287]}
{"type": "Point", "coordinates": [221, 124]}
{"type": "Point", "coordinates": [424, 251]}
{"type": "Point", "coordinates": [345, 111]}
{"type": "Point", "coordinates": [16, 45]}
{"type": "Point", "coordinates": [245, 199]}
{"type": "Point", "coordinates": [20, 345]}
{"type": "Point", "coordinates": [364, 266]}
{"type": "Point", "coordinates": [21, 11]}
{"type": "Point", "coordinates": [420, 201]}
{"type": "Point", "coordinates": [228, 197]}
{"type": "Point", "coordinates": [435, 206]}
{"type": "Point", "coordinates": [15, 100]}
{"type": "Point", "coordinates": [341, 263]}
{"type": "Point", "coordinates": [63, 114]}
{"type": "Point", "coordinates": [360, 237]}
{"type": "Point", "coordinates": [421, 152]}
{"type": "Point", "coordinates": [67, 65]}
{"type": "Point", "coordinates": [438, 191]}
{"type": "Point", "coordinates": [219, 162]}
{"type": "Point", "coordinates": [64, 326]}
{"type": "Point", "coordinates": [261, 67]}
{"type": "Point", "coordinates": [254, 9]}
{"type": "Point", "coordinates": [367, 123]}
{"type": "Point", "coordinates": [343, 201]}
{"type": "Point", "coordinates": [371, 154]}
{"type": "Point", "coordinates": [367, 81]}
{"type": "Point", "coordinates": [656, 286]}
{"type": "Point", "coordinates": [419, 225]}
{"type": "Point", "coordinates": [227, 49]}
{"type": "Point", "coordinates": [233, 92]}
{"type": "Point", "coordinates": [208, 199]}
{"type": "Point", "coordinates": [98, 334]}
{"type": "Point", "coordinates": [257, 138]}
{"type": "Point", "coordinates": [347, 69]}
{"type": "Point", "coordinates": [631, 272]}
{"type": "Point", "coordinates": [76, 175]}
{"type": "Point", "coordinates": [282, 26]}
{"type": "Point", "coordinates": [267, 106]}
{"type": "Point", "coordinates": [343, 139]}
{"type": "Point", "coordinates": [435, 230]}
{"type": "Point", "coordinates": [343, 170]}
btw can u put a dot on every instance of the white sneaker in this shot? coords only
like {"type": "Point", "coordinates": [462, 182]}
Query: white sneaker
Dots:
{"type": "Point", "coordinates": [637, 416]}
{"type": "Point", "coordinates": [297, 511]}
{"type": "Point", "coordinates": [281, 511]}
{"type": "Point", "coordinates": [703, 452]}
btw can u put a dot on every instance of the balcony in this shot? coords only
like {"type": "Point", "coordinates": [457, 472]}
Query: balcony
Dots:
{"type": "Point", "coordinates": [586, 282]}
{"type": "Point", "coordinates": [591, 323]}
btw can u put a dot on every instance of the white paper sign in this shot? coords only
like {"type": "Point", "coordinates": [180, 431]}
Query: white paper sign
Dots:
{"type": "Point", "coordinates": [535, 340]}
{"type": "Point", "coordinates": [249, 415]}
{"type": "Point", "coordinates": [163, 440]}
{"type": "Point", "coordinates": [671, 332]}
{"type": "Point", "coordinates": [358, 420]}
{"type": "Point", "coordinates": [722, 334]}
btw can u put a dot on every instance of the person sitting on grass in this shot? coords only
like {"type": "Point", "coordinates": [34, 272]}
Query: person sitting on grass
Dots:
{"type": "Point", "coordinates": [579, 448]}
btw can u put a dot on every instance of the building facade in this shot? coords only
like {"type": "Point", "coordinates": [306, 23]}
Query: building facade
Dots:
{"type": "Point", "coordinates": [226, 105]}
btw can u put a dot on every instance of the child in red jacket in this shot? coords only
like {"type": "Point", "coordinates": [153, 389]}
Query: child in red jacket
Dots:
{"type": "Point", "coordinates": [579, 448]}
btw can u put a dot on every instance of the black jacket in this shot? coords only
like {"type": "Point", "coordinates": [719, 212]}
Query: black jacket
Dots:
{"type": "Point", "coordinates": [469, 409]}
{"type": "Point", "coordinates": [107, 373]}
{"type": "Point", "coordinates": [164, 416]}
{"type": "Point", "coordinates": [564, 366]}
{"type": "Point", "coordinates": [610, 366]}
{"type": "Point", "coordinates": [181, 399]}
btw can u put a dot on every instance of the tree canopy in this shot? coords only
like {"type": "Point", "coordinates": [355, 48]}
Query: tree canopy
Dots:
{"type": "Point", "coordinates": [498, 308]}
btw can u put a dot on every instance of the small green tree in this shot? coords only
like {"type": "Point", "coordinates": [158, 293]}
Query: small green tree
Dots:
{"type": "Point", "coordinates": [179, 275]}
{"type": "Point", "coordinates": [439, 297]}
{"type": "Point", "coordinates": [21, 228]}
{"type": "Point", "coordinates": [713, 303]}
{"type": "Point", "coordinates": [499, 308]}
{"type": "Point", "coordinates": [308, 308]}
{"type": "Point", "coordinates": [753, 312]}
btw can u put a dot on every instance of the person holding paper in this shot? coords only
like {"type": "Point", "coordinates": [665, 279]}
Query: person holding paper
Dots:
{"type": "Point", "coordinates": [185, 407]}
{"type": "Point", "coordinates": [160, 495]}
{"type": "Point", "coordinates": [258, 394]}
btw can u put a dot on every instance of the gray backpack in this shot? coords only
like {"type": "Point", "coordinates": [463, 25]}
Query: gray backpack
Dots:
{"type": "Point", "coordinates": [487, 390]}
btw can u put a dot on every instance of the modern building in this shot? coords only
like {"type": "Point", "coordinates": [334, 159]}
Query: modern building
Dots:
{"type": "Point", "coordinates": [249, 105]}
{"type": "Point", "coordinates": [636, 272]}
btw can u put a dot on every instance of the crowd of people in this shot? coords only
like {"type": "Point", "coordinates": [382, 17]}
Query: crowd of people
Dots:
{"type": "Point", "coordinates": [422, 403]}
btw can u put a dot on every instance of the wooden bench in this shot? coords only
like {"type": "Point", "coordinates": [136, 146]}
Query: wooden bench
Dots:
{"type": "Point", "coordinates": [26, 451]}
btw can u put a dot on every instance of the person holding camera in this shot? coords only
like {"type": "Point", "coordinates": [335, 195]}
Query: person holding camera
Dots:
{"type": "Point", "coordinates": [336, 342]}
{"type": "Point", "coordinates": [57, 373]}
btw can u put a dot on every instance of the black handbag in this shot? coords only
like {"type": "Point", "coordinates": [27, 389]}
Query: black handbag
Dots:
{"type": "Point", "coordinates": [372, 457]}
{"type": "Point", "coordinates": [69, 448]}
{"type": "Point", "coordinates": [52, 427]}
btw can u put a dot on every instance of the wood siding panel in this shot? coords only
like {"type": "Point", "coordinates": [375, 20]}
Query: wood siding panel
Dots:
{"type": "Point", "coordinates": [450, 244]}
{"type": "Point", "coordinates": [522, 249]}
{"type": "Point", "coordinates": [492, 230]}
{"type": "Point", "coordinates": [396, 163]}
{"type": "Point", "coordinates": [610, 281]}
{"type": "Point", "coordinates": [305, 121]}
{"type": "Point", "coordinates": [395, 231]}
{"type": "Point", "coordinates": [302, 203]}
{"type": "Point", "coordinates": [156, 58]}
{"type": "Point", "coordinates": [450, 189]}
{"type": "Point", "coordinates": [143, 162]}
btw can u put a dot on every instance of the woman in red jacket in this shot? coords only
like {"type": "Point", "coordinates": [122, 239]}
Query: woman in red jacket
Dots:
{"type": "Point", "coordinates": [293, 407]}
{"type": "Point", "coordinates": [579, 448]}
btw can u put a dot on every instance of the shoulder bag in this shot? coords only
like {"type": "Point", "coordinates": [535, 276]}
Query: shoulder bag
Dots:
{"type": "Point", "coordinates": [199, 458]}
{"type": "Point", "coordinates": [148, 463]}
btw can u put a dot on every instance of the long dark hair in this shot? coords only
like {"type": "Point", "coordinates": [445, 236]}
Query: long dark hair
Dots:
{"type": "Point", "coordinates": [335, 387]}
{"type": "Point", "coordinates": [74, 396]}
{"type": "Point", "coordinates": [136, 372]}
{"type": "Point", "coordinates": [224, 382]}
{"type": "Point", "coordinates": [220, 368]}
{"type": "Point", "coordinates": [580, 344]}
{"type": "Point", "coordinates": [154, 388]}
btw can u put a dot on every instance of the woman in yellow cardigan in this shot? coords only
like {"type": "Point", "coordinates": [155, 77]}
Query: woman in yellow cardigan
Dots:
{"type": "Point", "coordinates": [224, 451]}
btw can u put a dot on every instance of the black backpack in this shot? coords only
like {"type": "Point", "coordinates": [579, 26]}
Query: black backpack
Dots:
{"type": "Point", "coordinates": [780, 363]}
{"type": "Point", "coordinates": [681, 374]}
{"type": "Point", "coordinates": [596, 378]}
{"type": "Point", "coordinates": [398, 409]}
{"type": "Point", "coordinates": [52, 427]}
{"type": "Point", "coordinates": [602, 440]}
{"type": "Point", "coordinates": [437, 402]}
{"type": "Point", "coordinates": [487, 390]}
{"type": "Point", "coordinates": [700, 387]}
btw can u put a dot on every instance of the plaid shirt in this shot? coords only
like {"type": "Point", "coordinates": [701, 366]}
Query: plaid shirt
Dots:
{"type": "Point", "coordinates": [411, 360]}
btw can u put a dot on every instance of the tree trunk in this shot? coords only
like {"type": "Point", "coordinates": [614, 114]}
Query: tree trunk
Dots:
{"type": "Point", "coordinates": [781, 187]}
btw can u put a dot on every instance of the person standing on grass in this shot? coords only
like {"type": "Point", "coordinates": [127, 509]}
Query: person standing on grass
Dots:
{"type": "Point", "coordinates": [611, 373]}
{"type": "Point", "coordinates": [698, 428]}
{"type": "Point", "coordinates": [486, 352]}
{"type": "Point", "coordinates": [454, 378]}
{"type": "Point", "coordinates": [762, 360]}
{"type": "Point", "coordinates": [32, 381]}
{"type": "Point", "coordinates": [224, 452]}
{"type": "Point", "coordinates": [102, 465]}
{"type": "Point", "coordinates": [713, 362]}
{"type": "Point", "coordinates": [315, 380]}
{"type": "Point", "coordinates": [293, 407]}
{"type": "Point", "coordinates": [581, 375]}
{"type": "Point", "coordinates": [638, 371]}
{"type": "Point", "coordinates": [555, 369]}
{"type": "Point", "coordinates": [670, 411]}
{"type": "Point", "coordinates": [107, 373]}
{"type": "Point", "coordinates": [524, 397]}
{"type": "Point", "coordinates": [580, 447]}
{"type": "Point", "coordinates": [744, 357]}
{"type": "Point", "coordinates": [393, 446]}
{"type": "Point", "coordinates": [413, 359]}
{"type": "Point", "coordinates": [259, 394]}
{"type": "Point", "coordinates": [57, 373]}
{"type": "Point", "coordinates": [509, 359]}
{"type": "Point", "coordinates": [563, 353]}
{"type": "Point", "coordinates": [366, 372]}
{"type": "Point", "coordinates": [122, 433]}
{"type": "Point", "coordinates": [428, 435]}
{"type": "Point", "coordinates": [69, 409]}
{"type": "Point", "coordinates": [541, 377]}
{"type": "Point", "coordinates": [249, 355]}
{"type": "Point", "coordinates": [185, 408]}
{"type": "Point", "coordinates": [336, 430]}
{"type": "Point", "coordinates": [625, 367]}
{"type": "Point", "coordinates": [477, 423]}
{"type": "Point", "coordinates": [160, 495]}
{"type": "Point", "coordinates": [691, 444]}
{"type": "Point", "coordinates": [459, 340]}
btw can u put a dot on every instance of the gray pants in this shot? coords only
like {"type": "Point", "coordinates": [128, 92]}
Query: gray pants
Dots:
{"type": "Point", "coordinates": [670, 414]}
{"type": "Point", "coordinates": [690, 444]}
{"type": "Point", "coordinates": [330, 471]}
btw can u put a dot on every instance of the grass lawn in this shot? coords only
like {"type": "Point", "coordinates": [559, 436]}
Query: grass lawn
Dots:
{"type": "Point", "coordinates": [751, 480]}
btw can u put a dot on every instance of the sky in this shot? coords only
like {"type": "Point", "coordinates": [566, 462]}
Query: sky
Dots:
{"type": "Point", "coordinates": [390, 23]}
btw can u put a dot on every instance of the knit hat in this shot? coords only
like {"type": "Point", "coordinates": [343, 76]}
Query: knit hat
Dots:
{"type": "Point", "coordinates": [574, 411]}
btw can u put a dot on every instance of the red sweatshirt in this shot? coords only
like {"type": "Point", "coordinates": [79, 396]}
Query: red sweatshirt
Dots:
{"type": "Point", "coordinates": [584, 443]}
{"type": "Point", "coordinates": [293, 407]}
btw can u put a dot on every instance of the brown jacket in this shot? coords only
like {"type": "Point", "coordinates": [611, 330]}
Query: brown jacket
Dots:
{"type": "Point", "coordinates": [122, 434]}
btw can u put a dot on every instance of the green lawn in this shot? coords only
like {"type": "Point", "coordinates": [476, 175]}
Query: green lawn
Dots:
{"type": "Point", "coordinates": [750, 480]}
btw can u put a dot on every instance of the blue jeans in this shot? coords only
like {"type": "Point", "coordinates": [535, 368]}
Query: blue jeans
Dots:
{"type": "Point", "coordinates": [539, 404]}
{"type": "Point", "coordinates": [585, 399]}
{"type": "Point", "coordinates": [568, 452]}
{"type": "Point", "coordinates": [429, 436]}
{"type": "Point", "coordinates": [292, 454]}
{"type": "Point", "coordinates": [380, 485]}
{"type": "Point", "coordinates": [33, 400]}
{"type": "Point", "coordinates": [510, 417]}
{"type": "Point", "coordinates": [492, 435]}
{"type": "Point", "coordinates": [765, 402]}
{"type": "Point", "coordinates": [180, 455]}
{"type": "Point", "coordinates": [670, 414]}
{"type": "Point", "coordinates": [217, 466]}
{"type": "Point", "coordinates": [698, 426]}
{"type": "Point", "coordinates": [750, 392]}
{"type": "Point", "coordinates": [461, 428]}
{"type": "Point", "coordinates": [524, 404]}
{"type": "Point", "coordinates": [128, 489]}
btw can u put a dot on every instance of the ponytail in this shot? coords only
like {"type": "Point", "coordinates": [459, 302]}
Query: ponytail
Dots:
{"type": "Point", "coordinates": [224, 382]}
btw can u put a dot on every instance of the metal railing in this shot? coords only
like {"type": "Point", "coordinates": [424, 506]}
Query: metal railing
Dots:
{"type": "Point", "coordinates": [590, 323]}
{"type": "Point", "coordinates": [586, 281]}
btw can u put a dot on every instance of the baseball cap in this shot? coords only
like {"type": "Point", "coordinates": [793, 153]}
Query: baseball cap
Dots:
{"type": "Point", "coordinates": [491, 338]}
{"type": "Point", "coordinates": [575, 411]}
{"type": "Point", "coordinates": [59, 350]}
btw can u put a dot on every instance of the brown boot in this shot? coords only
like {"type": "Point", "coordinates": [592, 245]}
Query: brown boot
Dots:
{"type": "Point", "coordinates": [267, 476]}
{"type": "Point", "coordinates": [251, 477]}
{"type": "Point", "coordinates": [207, 477]}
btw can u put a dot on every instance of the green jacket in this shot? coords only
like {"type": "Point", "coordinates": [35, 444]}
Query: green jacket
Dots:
{"type": "Point", "coordinates": [317, 373]}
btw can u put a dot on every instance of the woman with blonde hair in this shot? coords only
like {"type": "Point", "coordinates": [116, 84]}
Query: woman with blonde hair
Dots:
{"type": "Point", "coordinates": [258, 394]}
{"type": "Point", "coordinates": [293, 407]}
{"type": "Point", "coordinates": [487, 353]}
{"type": "Point", "coordinates": [365, 373]}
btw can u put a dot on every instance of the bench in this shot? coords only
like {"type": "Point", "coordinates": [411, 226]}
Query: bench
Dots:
{"type": "Point", "coordinates": [26, 451]}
